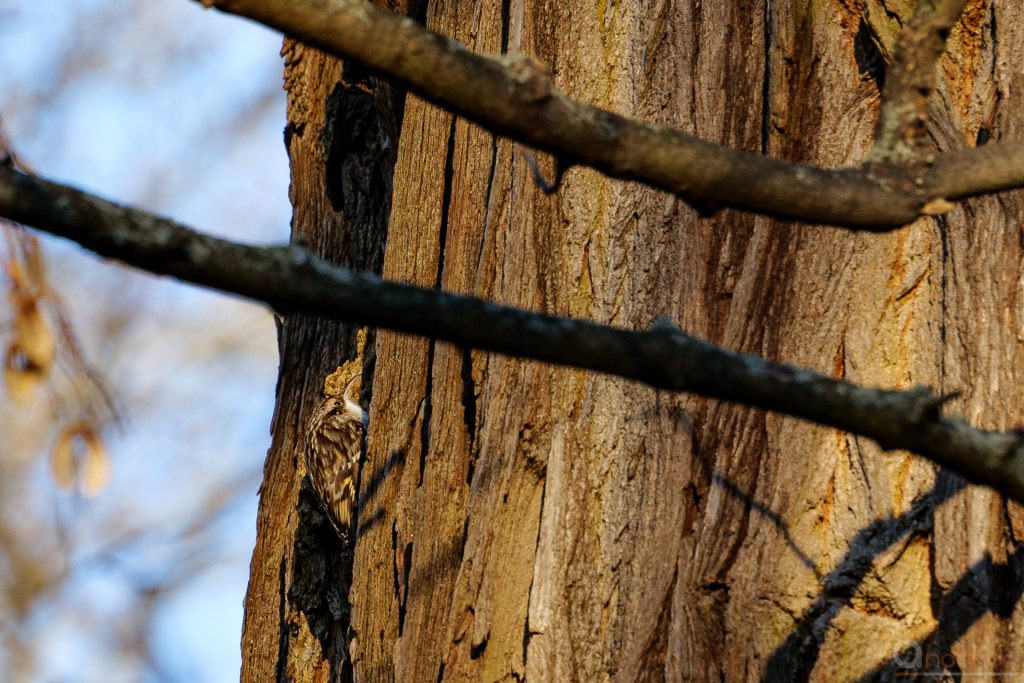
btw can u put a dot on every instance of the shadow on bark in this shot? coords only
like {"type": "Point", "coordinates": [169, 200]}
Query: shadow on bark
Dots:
{"type": "Point", "coordinates": [960, 607]}
{"type": "Point", "coordinates": [368, 489]}
{"type": "Point", "coordinates": [769, 514]}
{"type": "Point", "coordinates": [794, 660]}
{"type": "Point", "coordinates": [322, 570]}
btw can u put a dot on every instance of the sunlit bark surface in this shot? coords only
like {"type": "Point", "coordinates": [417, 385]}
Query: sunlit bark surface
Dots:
{"type": "Point", "coordinates": [522, 521]}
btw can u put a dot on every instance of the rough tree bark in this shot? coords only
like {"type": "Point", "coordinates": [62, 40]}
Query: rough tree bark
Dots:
{"type": "Point", "coordinates": [522, 521]}
{"type": "Point", "coordinates": [341, 137]}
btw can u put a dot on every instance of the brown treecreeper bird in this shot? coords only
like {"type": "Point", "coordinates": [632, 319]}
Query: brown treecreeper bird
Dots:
{"type": "Point", "coordinates": [333, 443]}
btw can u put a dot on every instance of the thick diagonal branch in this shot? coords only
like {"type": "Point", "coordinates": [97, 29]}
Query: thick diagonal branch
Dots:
{"type": "Point", "coordinates": [515, 97]}
{"type": "Point", "coordinates": [291, 279]}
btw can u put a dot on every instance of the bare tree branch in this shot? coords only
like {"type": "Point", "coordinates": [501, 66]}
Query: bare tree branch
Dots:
{"type": "Point", "coordinates": [291, 279]}
{"type": "Point", "coordinates": [514, 96]}
{"type": "Point", "coordinates": [900, 134]}
{"type": "Point", "coordinates": [980, 170]}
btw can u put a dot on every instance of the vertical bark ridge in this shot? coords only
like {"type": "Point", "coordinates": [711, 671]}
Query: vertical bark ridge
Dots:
{"type": "Point", "coordinates": [340, 142]}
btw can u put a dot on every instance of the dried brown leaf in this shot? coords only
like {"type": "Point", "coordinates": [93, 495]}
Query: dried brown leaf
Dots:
{"type": "Point", "coordinates": [79, 455]}
{"type": "Point", "coordinates": [33, 335]}
{"type": "Point", "coordinates": [63, 465]}
{"type": "Point", "coordinates": [95, 466]}
{"type": "Point", "coordinates": [22, 378]}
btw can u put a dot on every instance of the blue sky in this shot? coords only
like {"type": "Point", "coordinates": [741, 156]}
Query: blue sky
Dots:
{"type": "Point", "coordinates": [178, 110]}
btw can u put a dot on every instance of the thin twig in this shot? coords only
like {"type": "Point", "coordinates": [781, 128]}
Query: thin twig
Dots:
{"type": "Point", "coordinates": [538, 177]}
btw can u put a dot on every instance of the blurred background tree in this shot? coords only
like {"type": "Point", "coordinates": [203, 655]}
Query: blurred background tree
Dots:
{"type": "Point", "coordinates": [138, 100]}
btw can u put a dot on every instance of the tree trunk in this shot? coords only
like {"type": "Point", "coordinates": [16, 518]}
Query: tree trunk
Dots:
{"type": "Point", "coordinates": [519, 521]}
{"type": "Point", "coordinates": [341, 137]}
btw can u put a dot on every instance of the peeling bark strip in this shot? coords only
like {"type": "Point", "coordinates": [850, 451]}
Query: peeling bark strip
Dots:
{"type": "Point", "coordinates": [514, 96]}
{"type": "Point", "coordinates": [292, 280]}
